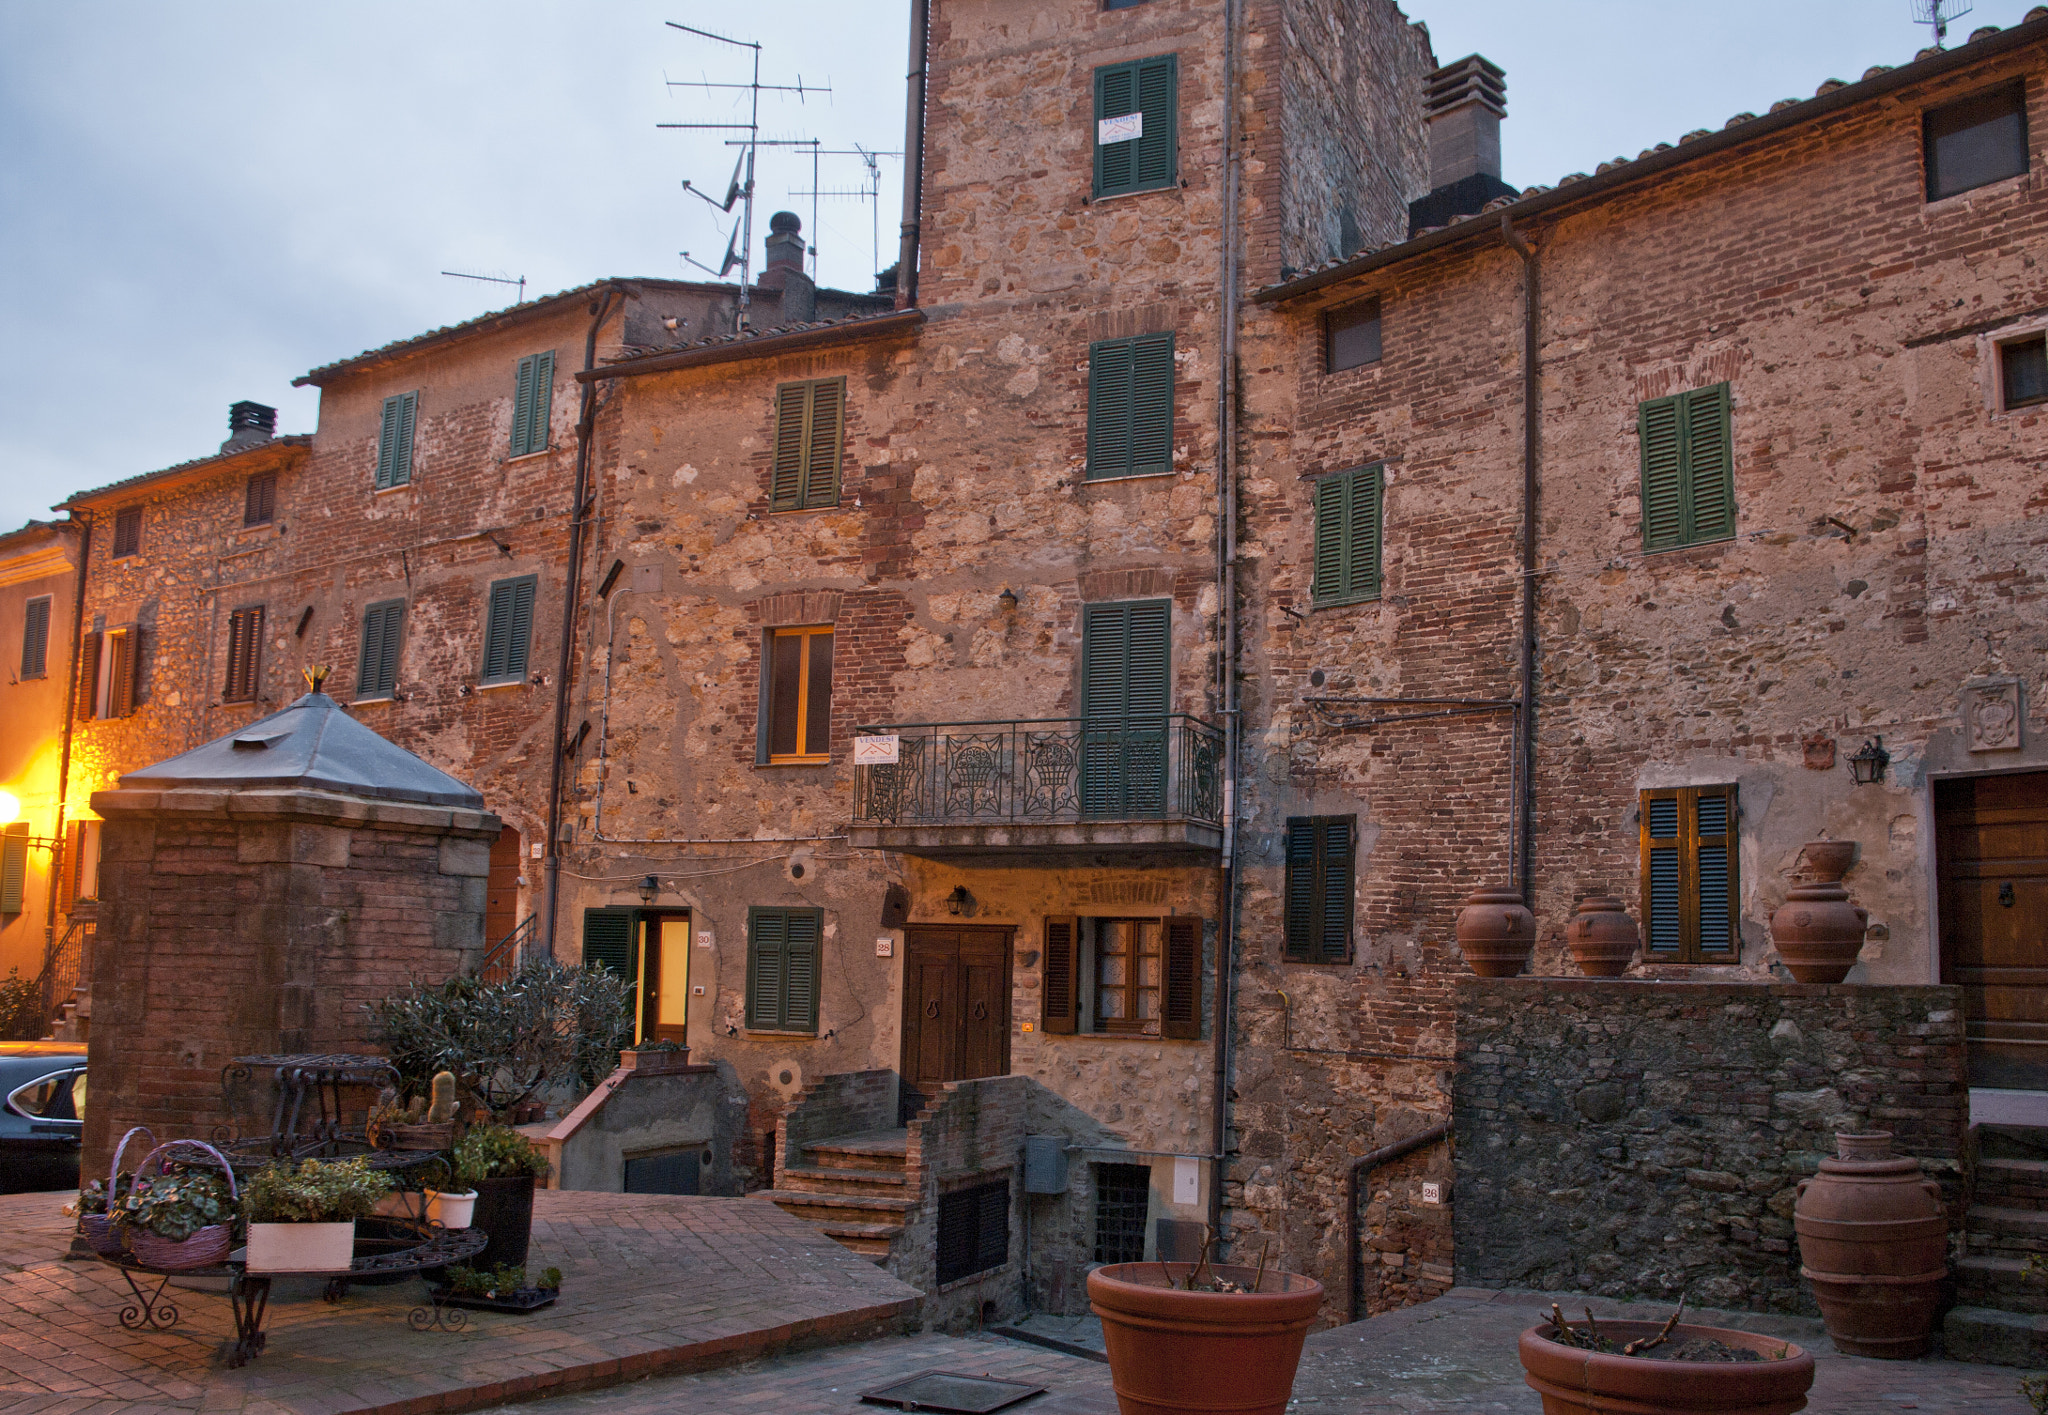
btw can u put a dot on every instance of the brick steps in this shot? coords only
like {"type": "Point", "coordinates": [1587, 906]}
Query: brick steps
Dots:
{"type": "Point", "coordinates": [2013, 1183]}
{"type": "Point", "coordinates": [854, 1187]}
{"type": "Point", "coordinates": [1984, 1280]}
{"type": "Point", "coordinates": [1995, 1337]}
{"type": "Point", "coordinates": [824, 1179]}
{"type": "Point", "coordinates": [1990, 1229]}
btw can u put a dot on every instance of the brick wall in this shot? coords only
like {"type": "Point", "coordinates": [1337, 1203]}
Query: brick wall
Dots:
{"type": "Point", "coordinates": [971, 1133]}
{"type": "Point", "coordinates": [1645, 1139]}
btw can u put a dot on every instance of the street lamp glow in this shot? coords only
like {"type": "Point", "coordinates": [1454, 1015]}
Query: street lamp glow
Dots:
{"type": "Point", "coordinates": [10, 808]}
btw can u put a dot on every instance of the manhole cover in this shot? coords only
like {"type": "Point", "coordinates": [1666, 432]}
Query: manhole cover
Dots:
{"type": "Point", "coordinates": [951, 1391]}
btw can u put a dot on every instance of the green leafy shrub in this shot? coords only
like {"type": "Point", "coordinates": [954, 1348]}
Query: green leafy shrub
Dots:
{"type": "Point", "coordinates": [176, 1205]}
{"type": "Point", "coordinates": [550, 1280]}
{"type": "Point", "coordinates": [496, 1152]}
{"type": "Point", "coordinates": [501, 1281]}
{"type": "Point", "coordinates": [332, 1191]}
{"type": "Point", "coordinates": [21, 1009]}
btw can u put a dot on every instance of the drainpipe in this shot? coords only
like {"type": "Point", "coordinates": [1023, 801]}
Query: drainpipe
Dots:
{"type": "Point", "coordinates": [913, 154]}
{"type": "Point", "coordinates": [585, 421]}
{"type": "Point", "coordinates": [1226, 609]}
{"type": "Point", "coordinates": [1522, 843]}
{"type": "Point", "coordinates": [1354, 1182]}
{"type": "Point", "coordinates": [70, 717]}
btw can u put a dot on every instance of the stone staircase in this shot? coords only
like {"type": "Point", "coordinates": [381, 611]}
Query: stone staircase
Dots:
{"type": "Point", "coordinates": [74, 1019]}
{"type": "Point", "coordinates": [2001, 1314]}
{"type": "Point", "coordinates": [855, 1187]}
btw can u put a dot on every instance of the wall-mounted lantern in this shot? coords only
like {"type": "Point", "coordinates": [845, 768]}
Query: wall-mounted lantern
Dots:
{"type": "Point", "coordinates": [1008, 600]}
{"type": "Point", "coordinates": [650, 889]}
{"type": "Point", "coordinates": [960, 901]}
{"type": "Point", "coordinates": [1868, 765]}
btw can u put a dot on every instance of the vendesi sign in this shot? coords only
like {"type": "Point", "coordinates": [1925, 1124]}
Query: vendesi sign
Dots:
{"type": "Point", "coordinates": [875, 751]}
{"type": "Point", "coordinates": [1129, 126]}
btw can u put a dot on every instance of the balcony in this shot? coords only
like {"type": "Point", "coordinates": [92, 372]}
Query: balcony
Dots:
{"type": "Point", "coordinates": [1126, 785]}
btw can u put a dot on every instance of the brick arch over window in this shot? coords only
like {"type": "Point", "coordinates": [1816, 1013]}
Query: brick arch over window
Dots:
{"type": "Point", "coordinates": [799, 607]}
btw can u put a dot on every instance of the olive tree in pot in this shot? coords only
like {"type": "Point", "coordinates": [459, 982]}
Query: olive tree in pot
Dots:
{"type": "Point", "coordinates": [1207, 1337]}
{"type": "Point", "coordinates": [500, 1164]}
{"type": "Point", "coordinates": [303, 1219]}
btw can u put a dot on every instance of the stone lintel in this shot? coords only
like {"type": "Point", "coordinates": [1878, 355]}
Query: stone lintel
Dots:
{"type": "Point", "coordinates": [310, 807]}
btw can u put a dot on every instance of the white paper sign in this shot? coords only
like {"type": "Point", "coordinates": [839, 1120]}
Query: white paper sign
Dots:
{"type": "Point", "coordinates": [875, 751]}
{"type": "Point", "coordinates": [1187, 1181]}
{"type": "Point", "coordinates": [1130, 125]}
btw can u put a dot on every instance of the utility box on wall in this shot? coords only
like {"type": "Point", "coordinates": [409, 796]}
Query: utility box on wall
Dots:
{"type": "Point", "coordinates": [1045, 1164]}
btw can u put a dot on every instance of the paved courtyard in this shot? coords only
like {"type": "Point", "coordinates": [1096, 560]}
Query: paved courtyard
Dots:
{"type": "Point", "coordinates": [651, 1284]}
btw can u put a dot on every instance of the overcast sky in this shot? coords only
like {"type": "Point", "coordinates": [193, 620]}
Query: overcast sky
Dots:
{"type": "Point", "coordinates": [200, 201]}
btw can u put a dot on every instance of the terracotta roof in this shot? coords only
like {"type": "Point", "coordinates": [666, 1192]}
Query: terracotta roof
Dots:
{"type": "Point", "coordinates": [198, 466]}
{"type": "Point", "coordinates": [761, 343]}
{"type": "Point", "coordinates": [1831, 97]}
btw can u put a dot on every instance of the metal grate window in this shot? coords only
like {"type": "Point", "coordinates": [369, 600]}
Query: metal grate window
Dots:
{"type": "Point", "coordinates": [1123, 1210]}
{"type": "Point", "coordinates": [974, 1230]}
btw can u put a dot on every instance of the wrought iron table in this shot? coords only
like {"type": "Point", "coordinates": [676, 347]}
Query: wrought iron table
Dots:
{"type": "Point", "coordinates": [385, 1247]}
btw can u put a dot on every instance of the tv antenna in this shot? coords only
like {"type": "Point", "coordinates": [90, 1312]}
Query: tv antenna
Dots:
{"type": "Point", "coordinates": [519, 280]}
{"type": "Point", "coordinates": [871, 193]}
{"type": "Point", "coordinates": [1936, 14]}
{"type": "Point", "coordinates": [740, 190]}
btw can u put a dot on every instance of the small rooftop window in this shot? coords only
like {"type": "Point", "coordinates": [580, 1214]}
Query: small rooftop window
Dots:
{"type": "Point", "coordinates": [1976, 141]}
{"type": "Point", "coordinates": [1352, 336]}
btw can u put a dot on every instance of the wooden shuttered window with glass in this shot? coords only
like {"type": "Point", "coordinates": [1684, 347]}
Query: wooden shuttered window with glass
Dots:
{"type": "Point", "coordinates": [796, 719]}
{"type": "Point", "coordinates": [1690, 899]}
{"type": "Point", "coordinates": [1146, 976]}
{"type": "Point", "coordinates": [1347, 549]}
{"type": "Point", "coordinates": [245, 649]}
{"type": "Point", "coordinates": [1688, 468]}
{"type": "Point", "coordinates": [810, 441]}
{"type": "Point", "coordinates": [110, 669]}
{"type": "Point", "coordinates": [1322, 854]}
{"type": "Point", "coordinates": [377, 660]}
{"type": "Point", "coordinates": [1130, 407]}
{"type": "Point", "coordinates": [508, 630]}
{"type": "Point", "coordinates": [394, 440]}
{"type": "Point", "coordinates": [782, 969]}
{"type": "Point", "coordinates": [1141, 152]}
{"type": "Point", "coordinates": [533, 393]}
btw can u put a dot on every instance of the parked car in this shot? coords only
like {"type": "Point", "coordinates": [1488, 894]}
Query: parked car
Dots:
{"type": "Point", "coordinates": [42, 1114]}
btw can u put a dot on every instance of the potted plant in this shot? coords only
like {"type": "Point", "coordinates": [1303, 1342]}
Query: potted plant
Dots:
{"type": "Point", "coordinates": [303, 1220]}
{"type": "Point", "coordinates": [500, 1289]}
{"type": "Point", "coordinates": [500, 1165]}
{"type": "Point", "coordinates": [177, 1214]}
{"type": "Point", "coordinates": [1661, 1369]}
{"type": "Point", "coordinates": [1180, 1341]}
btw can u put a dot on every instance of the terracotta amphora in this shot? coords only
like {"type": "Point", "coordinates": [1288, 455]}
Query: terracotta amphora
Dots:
{"type": "Point", "coordinates": [1496, 931]}
{"type": "Point", "coordinates": [1819, 929]}
{"type": "Point", "coordinates": [1873, 1241]}
{"type": "Point", "coordinates": [1602, 936]}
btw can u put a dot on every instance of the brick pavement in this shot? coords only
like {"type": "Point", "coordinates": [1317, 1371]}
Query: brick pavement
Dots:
{"type": "Point", "coordinates": [652, 1284]}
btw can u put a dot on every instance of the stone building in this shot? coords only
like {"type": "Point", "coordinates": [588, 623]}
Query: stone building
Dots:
{"type": "Point", "coordinates": [38, 593]}
{"type": "Point", "coordinates": [1788, 486]}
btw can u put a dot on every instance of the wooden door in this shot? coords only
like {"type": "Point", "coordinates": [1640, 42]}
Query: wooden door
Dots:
{"type": "Point", "coordinates": [956, 1007]}
{"type": "Point", "coordinates": [1993, 858]}
{"type": "Point", "coordinates": [663, 979]}
{"type": "Point", "coordinates": [501, 906]}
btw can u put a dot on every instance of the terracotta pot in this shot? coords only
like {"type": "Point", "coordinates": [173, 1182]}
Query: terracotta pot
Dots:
{"type": "Point", "coordinates": [1172, 1351]}
{"type": "Point", "coordinates": [1602, 936]}
{"type": "Point", "coordinates": [1819, 931]}
{"type": "Point", "coordinates": [1575, 1382]}
{"type": "Point", "coordinates": [504, 1210]}
{"type": "Point", "coordinates": [1496, 931]}
{"type": "Point", "coordinates": [1828, 860]}
{"type": "Point", "coordinates": [1873, 1241]}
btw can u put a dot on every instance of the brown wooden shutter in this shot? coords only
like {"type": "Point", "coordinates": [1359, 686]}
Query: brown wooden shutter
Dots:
{"type": "Point", "coordinates": [787, 478]}
{"type": "Point", "coordinates": [826, 443]}
{"type": "Point", "coordinates": [1181, 1007]}
{"type": "Point", "coordinates": [88, 676]}
{"type": "Point", "coordinates": [1062, 974]}
{"type": "Point", "coordinates": [67, 867]}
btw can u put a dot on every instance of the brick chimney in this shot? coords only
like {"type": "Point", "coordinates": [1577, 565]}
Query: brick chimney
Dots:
{"type": "Point", "coordinates": [1464, 103]}
{"type": "Point", "coordinates": [785, 270]}
{"type": "Point", "coordinates": [249, 425]}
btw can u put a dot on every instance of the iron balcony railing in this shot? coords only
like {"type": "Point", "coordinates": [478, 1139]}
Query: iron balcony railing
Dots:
{"type": "Point", "coordinates": [1044, 770]}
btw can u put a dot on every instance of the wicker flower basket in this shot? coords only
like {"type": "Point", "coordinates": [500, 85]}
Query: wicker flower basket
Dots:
{"type": "Point", "coordinates": [98, 1230]}
{"type": "Point", "coordinates": [208, 1247]}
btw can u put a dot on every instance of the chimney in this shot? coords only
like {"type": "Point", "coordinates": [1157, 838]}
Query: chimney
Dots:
{"type": "Point", "coordinates": [1464, 103]}
{"type": "Point", "coordinates": [249, 425]}
{"type": "Point", "coordinates": [785, 270]}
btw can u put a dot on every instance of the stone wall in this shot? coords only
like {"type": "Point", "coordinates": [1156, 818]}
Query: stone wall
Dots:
{"type": "Point", "coordinates": [971, 1133]}
{"type": "Point", "coordinates": [635, 1113]}
{"type": "Point", "coordinates": [1645, 1139]}
{"type": "Point", "coordinates": [849, 1103]}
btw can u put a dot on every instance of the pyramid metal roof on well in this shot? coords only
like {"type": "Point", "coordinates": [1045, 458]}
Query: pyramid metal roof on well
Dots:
{"type": "Point", "coordinates": [311, 745]}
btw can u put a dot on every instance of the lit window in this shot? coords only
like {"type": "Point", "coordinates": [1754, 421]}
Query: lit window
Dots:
{"type": "Point", "coordinates": [799, 684]}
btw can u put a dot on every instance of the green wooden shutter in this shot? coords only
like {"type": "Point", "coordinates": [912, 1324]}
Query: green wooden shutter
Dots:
{"type": "Point", "coordinates": [800, 983]}
{"type": "Point", "coordinates": [1148, 652]}
{"type": "Point", "coordinates": [1180, 1007]}
{"type": "Point", "coordinates": [1126, 690]}
{"type": "Point", "coordinates": [608, 940]}
{"type": "Point", "coordinates": [1709, 466]}
{"type": "Point", "coordinates": [377, 661]}
{"type": "Point", "coordinates": [35, 638]}
{"type": "Point", "coordinates": [1332, 564]}
{"type": "Point", "coordinates": [1151, 405]}
{"type": "Point", "coordinates": [1658, 428]}
{"type": "Point", "coordinates": [1061, 987]}
{"type": "Point", "coordinates": [1363, 493]}
{"type": "Point", "coordinates": [394, 440]}
{"type": "Point", "coordinates": [1157, 156]}
{"type": "Point", "coordinates": [1109, 409]}
{"type": "Point", "coordinates": [13, 867]}
{"type": "Point", "coordinates": [824, 442]}
{"type": "Point", "coordinates": [1300, 894]}
{"type": "Point", "coordinates": [792, 407]}
{"type": "Point", "coordinates": [1335, 891]}
{"type": "Point", "coordinates": [532, 403]}
{"type": "Point", "coordinates": [1116, 93]}
{"type": "Point", "coordinates": [508, 630]}
{"type": "Point", "coordinates": [1713, 844]}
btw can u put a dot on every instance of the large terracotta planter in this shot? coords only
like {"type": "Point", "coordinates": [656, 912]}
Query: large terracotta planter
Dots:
{"type": "Point", "coordinates": [1575, 1382]}
{"type": "Point", "coordinates": [1602, 936]}
{"type": "Point", "coordinates": [1496, 932]}
{"type": "Point", "coordinates": [1819, 929]}
{"type": "Point", "coordinates": [504, 1210]}
{"type": "Point", "coordinates": [1873, 1241]}
{"type": "Point", "coordinates": [1173, 1352]}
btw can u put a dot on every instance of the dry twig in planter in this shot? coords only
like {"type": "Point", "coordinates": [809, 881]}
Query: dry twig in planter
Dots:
{"type": "Point", "coordinates": [1642, 1344]}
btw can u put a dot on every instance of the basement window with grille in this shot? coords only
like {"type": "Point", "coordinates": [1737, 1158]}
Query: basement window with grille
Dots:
{"type": "Point", "coordinates": [974, 1230]}
{"type": "Point", "coordinates": [1123, 1211]}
